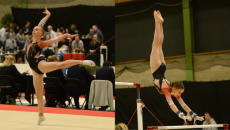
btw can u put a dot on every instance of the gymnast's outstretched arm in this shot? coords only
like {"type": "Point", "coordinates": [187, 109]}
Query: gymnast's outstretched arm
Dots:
{"type": "Point", "coordinates": [183, 105]}
{"type": "Point", "coordinates": [188, 110]}
{"type": "Point", "coordinates": [169, 100]}
{"type": "Point", "coordinates": [171, 104]}
{"type": "Point", "coordinates": [43, 21]}
{"type": "Point", "coordinates": [53, 40]}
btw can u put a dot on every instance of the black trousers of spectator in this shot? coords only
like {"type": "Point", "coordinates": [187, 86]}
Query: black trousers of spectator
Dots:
{"type": "Point", "coordinates": [76, 91]}
{"type": "Point", "coordinates": [14, 91]}
{"type": "Point", "coordinates": [76, 101]}
{"type": "Point", "coordinates": [19, 87]}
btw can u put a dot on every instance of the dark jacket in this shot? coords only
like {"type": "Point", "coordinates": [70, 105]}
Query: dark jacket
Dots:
{"type": "Point", "coordinates": [93, 46]}
{"type": "Point", "coordinates": [24, 29]}
{"type": "Point", "coordinates": [106, 73]}
{"type": "Point", "coordinates": [1, 44]}
{"type": "Point", "coordinates": [84, 76]}
{"type": "Point", "coordinates": [13, 72]}
{"type": "Point", "coordinates": [16, 76]}
{"type": "Point", "coordinates": [48, 52]}
{"type": "Point", "coordinates": [57, 74]}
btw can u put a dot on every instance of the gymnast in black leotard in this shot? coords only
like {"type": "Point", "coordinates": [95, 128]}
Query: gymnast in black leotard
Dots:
{"type": "Point", "coordinates": [160, 74]}
{"type": "Point", "coordinates": [39, 66]}
{"type": "Point", "coordinates": [33, 50]}
{"type": "Point", "coordinates": [158, 68]}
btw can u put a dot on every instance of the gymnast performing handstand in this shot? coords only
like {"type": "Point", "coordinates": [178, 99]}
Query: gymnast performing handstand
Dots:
{"type": "Point", "coordinates": [158, 68]}
{"type": "Point", "coordinates": [39, 66]}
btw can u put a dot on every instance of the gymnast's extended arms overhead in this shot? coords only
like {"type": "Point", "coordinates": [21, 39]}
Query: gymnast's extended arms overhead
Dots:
{"type": "Point", "coordinates": [56, 39]}
{"type": "Point", "coordinates": [43, 21]}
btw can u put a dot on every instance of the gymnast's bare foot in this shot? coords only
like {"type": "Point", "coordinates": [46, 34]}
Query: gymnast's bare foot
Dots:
{"type": "Point", "coordinates": [158, 17]}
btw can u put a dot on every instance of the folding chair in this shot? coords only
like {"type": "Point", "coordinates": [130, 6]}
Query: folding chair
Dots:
{"type": "Point", "coordinates": [72, 82]}
{"type": "Point", "coordinates": [51, 81]}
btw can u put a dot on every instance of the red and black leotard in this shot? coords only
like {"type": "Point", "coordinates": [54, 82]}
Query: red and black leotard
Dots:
{"type": "Point", "coordinates": [166, 90]}
{"type": "Point", "coordinates": [33, 50]}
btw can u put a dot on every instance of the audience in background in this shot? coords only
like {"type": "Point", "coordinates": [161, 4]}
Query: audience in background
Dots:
{"type": "Point", "coordinates": [106, 73]}
{"type": "Point", "coordinates": [8, 68]}
{"type": "Point", "coordinates": [67, 30]}
{"type": "Point", "coordinates": [11, 26]}
{"type": "Point", "coordinates": [74, 29]}
{"type": "Point", "coordinates": [58, 30]}
{"type": "Point", "coordinates": [69, 43]}
{"type": "Point", "coordinates": [3, 33]}
{"type": "Point", "coordinates": [1, 45]}
{"type": "Point", "coordinates": [89, 35]}
{"type": "Point", "coordinates": [62, 46]}
{"type": "Point", "coordinates": [22, 52]}
{"type": "Point", "coordinates": [20, 39]}
{"type": "Point", "coordinates": [78, 45]}
{"type": "Point", "coordinates": [51, 32]}
{"type": "Point", "coordinates": [27, 29]}
{"type": "Point", "coordinates": [94, 44]}
{"type": "Point", "coordinates": [16, 30]}
{"type": "Point", "coordinates": [62, 30]}
{"type": "Point", "coordinates": [69, 40]}
{"type": "Point", "coordinates": [85, 78]}
{"type": "Point", "coordinates": [53, 89]}
{"type": "Point", "coordinates": [98, 33]}
{"type": "Point", "coordinates": [44, 34]}
{"type": "Point", "coordinates": [10, 31]}
{"type": "Point", "coordinates": [52, 35]}
{"type": "Point", "coordinates": [27, 40]}
{"type": "Point", "coordinates": [11, 44]}
{"type": "Point", "coordinates": [121, 126]}
{"type": "Point", "coordinates": [209, 121]}
{"type": "Point", "coordinates": [48, 51]}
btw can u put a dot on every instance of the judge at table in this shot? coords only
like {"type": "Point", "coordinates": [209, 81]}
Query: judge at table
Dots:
{"type": "Point", "coordinates": [8, 68]}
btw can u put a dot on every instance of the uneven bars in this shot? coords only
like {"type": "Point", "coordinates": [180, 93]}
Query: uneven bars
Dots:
{"type": "Point", "coordinates": [124, 83]}
{"type": "Point", "coordinates": [187, 127]}
{"type": "Point", "coordinates": [129, 84]}
{"type": "Point", "coordinates": [139, 102]}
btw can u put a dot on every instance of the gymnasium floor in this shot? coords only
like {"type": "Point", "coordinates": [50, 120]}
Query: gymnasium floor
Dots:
{"type": "Point", "coordinates": [20, 117]}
